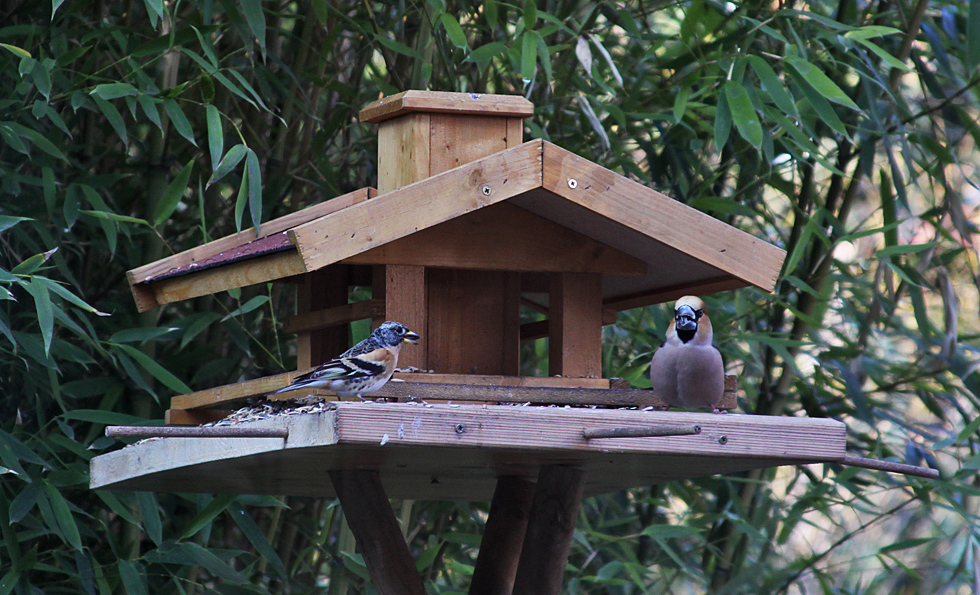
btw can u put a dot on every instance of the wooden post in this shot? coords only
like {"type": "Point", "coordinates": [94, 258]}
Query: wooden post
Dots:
{"type": "Point", "coordinates": [549, 530]}
{"type": "Point", "coordinates": [325, 288]}
{"type": "Point", "coordinates": [373, 523]}
{"type": "Point", "coordinates": [405, 301]}
{"type": "Point", "coordinates": [500, 549]}
{"type": "Point", "coordinates": [575, 325]}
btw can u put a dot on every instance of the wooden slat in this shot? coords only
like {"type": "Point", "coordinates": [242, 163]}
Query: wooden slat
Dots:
{"type": "Point", "coordinates": [503, 536]}
{"type": "Point", "coordinates": [658, 216]}
{"type": "Point", "coordinates": [238, 274]}
{"type": "Point", "coordinates": [456, 139]}
{"type": "Point", "coordinates": [140, 274]}
{"type": "Point", "coordinates": [666, 294]}
{"type": "Point", "coordinates": [458, 451]}
{"type": "Point", "coordinates": [548, 538]}
{"type": "Point", "coordinates": [403, 152]}
{"type": "Point", "coordinates": [424, 204]}
{"type": "Point", "coordinates": [502, 238]}
{"type": "Point", "coordinates": [322, 290]}
{"type": "Point", "coordinates": [458, 387]}
{"type": "Point", "coordinates": [379, 539]}
{"type": "Point", "coordinates": [406, 301]}
{"type": "Point", "coordinates": [333, 316]}
{"type": "Point", "coordinates": [575, 324]}
{"type": "Point", "coordinates": [194, 417]}
{"type": "Point", "coordinates": [444, 102]}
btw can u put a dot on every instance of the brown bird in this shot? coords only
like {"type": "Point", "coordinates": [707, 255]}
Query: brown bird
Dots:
{"type": "Point", "coordinates": [687, 370]}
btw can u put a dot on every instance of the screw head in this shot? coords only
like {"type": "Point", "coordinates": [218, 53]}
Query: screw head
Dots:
{"type": "Point", "coordinates": [487, 190]}
{"type": "Point", "coordinates": [460, 428]}
{"type": "Point", "coordinates": [572, 183]}
{"type": "Point", "coordinates": [723, 440]}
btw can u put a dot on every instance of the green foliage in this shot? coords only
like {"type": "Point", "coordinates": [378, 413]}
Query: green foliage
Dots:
{"type": "Point", "coordinates": [845, 133]}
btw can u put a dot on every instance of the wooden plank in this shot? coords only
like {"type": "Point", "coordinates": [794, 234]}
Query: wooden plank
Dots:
{"type": "Point", "coordinates": [467, 312]}
{"type": "Point", "coordinates": [445, 102]}
{"type": "Point", "coordinates": [554, 512]}
{"type": "Point", "coordinates": [333, 316]}
{"type": "Point", "coordinates": [140, 274]}
{"type": "Point", "coordinates": [323, 289]}
{"type": "Point", "coordinates": [458, 451]}
{"type": "Point", "coordinates": [423, 204]}
{"type": "Point", "coordinates": [501, 238]}
{"type": "Point", "coordinates": [575, 327]}
{"type": "Point", "coordinates": [406, 301]}
{"type": "Point", "coordinates": [194, 417]}
{"type": "Point", "coordinates": [659, 216]}
{"type": "Point", "coordinates": [379, 539]}
{"type": "Point", "coordinates": [666, 294]}
{"type": "Point", "coordinates": [457, 387]}
{"type": "Point", "coordinates": [515, 131]}
{"type": "Point", "coordinates": [455, 139]}
{"type": "Point", "coordinates": [238, 274]}
{"type": "Point", "coordinates": [503, 536]}
{"type": "Point", "coordinates": [403, 152]}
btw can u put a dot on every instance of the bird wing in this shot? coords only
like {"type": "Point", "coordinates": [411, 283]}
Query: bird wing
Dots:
{"type": "Point", "coordinates": [372, 363]}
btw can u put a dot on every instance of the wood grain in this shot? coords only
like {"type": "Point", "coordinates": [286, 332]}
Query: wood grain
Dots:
{"type": "Point", "coordinates": [379, 539]}
{"type": "Point", "coordinates": [575, 324]}
{"type": "Point", "coordinates": [445, 102]}
{"type": "Point", "coordinates": [548, 538]}
{"type": "Point", "coordinates": [501, 238]}
{"type": "Point", "coordinates": [406, 301]}
{"type": "Point", "coordinates": [661, 217]}
{"type": "Point", "coordinates": [333, 316]}
{"type": "Point", "coordinates": [503, 536]}
{"type": "Point", "coordinates": [403, 151]}
{"type": "Point", "coordinates": [424, 204]}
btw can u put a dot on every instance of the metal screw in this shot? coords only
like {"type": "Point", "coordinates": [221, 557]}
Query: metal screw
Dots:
{"type": "Point", "coordinates": [697, 429]}
{"type": "Point", "coordinates": [487, 191]}
{"type": "Point", "coordinates": [572, 183]}
{"type": "Point", "coordinates": [460, 428]}
{"type": "Point", "coordinates": [723, 440]}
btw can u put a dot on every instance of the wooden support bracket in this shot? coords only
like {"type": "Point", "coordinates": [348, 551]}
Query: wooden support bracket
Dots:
{"type": "Point", "coordinates": [373, 523]}
{"type": "Point", "coordinates": [500, 549]}
{"type": "Point", "coordinates": [554, 511]}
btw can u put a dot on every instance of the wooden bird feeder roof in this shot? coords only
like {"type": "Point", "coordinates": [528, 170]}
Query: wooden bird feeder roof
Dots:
{"type": "Point", "coordinates": [534, 207]}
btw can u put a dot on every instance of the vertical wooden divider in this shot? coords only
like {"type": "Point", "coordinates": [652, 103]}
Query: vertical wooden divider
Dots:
{"type": "Point", "coordinates": [373, 523]}
{"type": "Point", "coordinates": [405, 301]}
{"type": "Point", "coordinates": [554, 510]}
{"type": "Point", "coordinates": [322, 289]}
{"type": "Point", "coordinates": [575, 324]}
{"type": "Point", "coordinates": [503, 536]}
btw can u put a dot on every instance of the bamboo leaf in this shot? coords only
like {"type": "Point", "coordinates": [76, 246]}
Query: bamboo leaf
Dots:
{"type": "Point", "coordinates": [455, 33]}
{"type": "Point", "coordinates": [179, 120]}
{"type": "Point", "coordinates": [255, 17]}
{"type": "Point", "coordinates": [254, 188]}
{"type": "Point", "coordinates": [156, 370]}
{"type": "Point", "coordinates": [131, 577]}
{"type": "Point", "coordinates": [229, 162]}
{"type": "Point", "coordinates": [815, 78]}
{"type": "Point", "coordinates": [257, 538]}
{"type": "Point", "coordinates": [216, 139]}
{"type": "Point", "coordinates": [113, 116]}
{"type": "Point", "coordinates": [150, 513]}
{"type": "Point", "coordinates": [173, 194]}
{"type": "Point", "coordinates": [114, 91]}
{"type": "Point", "coordinates": [743, 113]}
{"type": "Point", "coordinates": [67, 526]}
{"type": "Point", "coordinates": [44, 309]}
{"type": "Point", "coordinates": [216, 506]}
{"type": "Point", "coordinates": [973, 36]}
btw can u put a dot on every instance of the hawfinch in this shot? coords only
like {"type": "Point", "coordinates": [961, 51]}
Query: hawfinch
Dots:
{"type": "Point", "coordinates": [362, 369]}
{"type": "Point", "coordinates": [687, 370]}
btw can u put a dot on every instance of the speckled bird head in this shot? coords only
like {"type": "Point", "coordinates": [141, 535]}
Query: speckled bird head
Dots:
{"type": "Point", "coordinates": [391, 334]}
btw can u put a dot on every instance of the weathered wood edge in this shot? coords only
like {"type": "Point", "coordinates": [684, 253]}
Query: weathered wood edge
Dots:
{"type": "Point", "coordinates": [411, 101]}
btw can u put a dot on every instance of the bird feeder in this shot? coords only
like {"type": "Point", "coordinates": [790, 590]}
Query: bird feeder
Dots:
{"type": "Point", "coordinates": [469, 223]}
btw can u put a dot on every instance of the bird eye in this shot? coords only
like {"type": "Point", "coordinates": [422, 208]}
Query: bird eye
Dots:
{"type": "Point", "coordinates": [698, 314]}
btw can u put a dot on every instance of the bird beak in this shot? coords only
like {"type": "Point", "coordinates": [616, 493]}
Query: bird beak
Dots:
{"type": "Point", "coordinates": [412, 338]}
{"type": "Point", "coordinates": [686, 319]}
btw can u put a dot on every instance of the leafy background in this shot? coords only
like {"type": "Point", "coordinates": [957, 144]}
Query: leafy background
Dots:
{"type": "Point", "coordinates": [844, 132]}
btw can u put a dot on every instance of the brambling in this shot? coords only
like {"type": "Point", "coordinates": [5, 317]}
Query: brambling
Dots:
{"type": "Point", "coordinates": [362, 369]}
{"type": "Point", "coordinates": [687, 370]}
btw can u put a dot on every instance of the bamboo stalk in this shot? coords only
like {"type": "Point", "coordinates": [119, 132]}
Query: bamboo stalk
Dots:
{"type": "Point", "coordinates": [194, 432]}
{"type": "Point", "coordinates": [891, 467]}
{"type": "Point", "coordinates": [640, 432]}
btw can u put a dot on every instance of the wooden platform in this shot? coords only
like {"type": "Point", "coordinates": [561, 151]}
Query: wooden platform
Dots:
{"type": "Point", "coordinates": [447, 452]}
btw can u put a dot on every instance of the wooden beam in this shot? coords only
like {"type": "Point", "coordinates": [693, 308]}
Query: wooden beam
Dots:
{"type": "Point", "coordinates": [660, 217]}
{"type": "Point", "coordinates": [371, 519]}
{"type": "Point", "coordinates": [237, 274]}
{"type": "Point", "coordinates": [406, 298]}
{"type": "Point", "coordinates": [447, 103]}
{"type": "Point", "coordinates": [554, 512]}
{"type": "Point", "coordinates": [503, 536]}
{"type": "Point", "coordinates": [575, 327]}
{"type": "Point", "coordinates": [501, 238]}
{"type": "Point", "coordinates": [320, 291]}
{"type": "Point", "coordinates": [436, 199]}
{"type": "Point", "coordinates": [666, 294]}
{"type": "Point", "coordinates": [140, 274]}
{"type": "Point", "coordinates": [333, 316]}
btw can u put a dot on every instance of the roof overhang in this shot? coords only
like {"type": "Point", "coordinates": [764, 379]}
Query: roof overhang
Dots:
{"type": "Point", "coordinates": [683, 249]}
